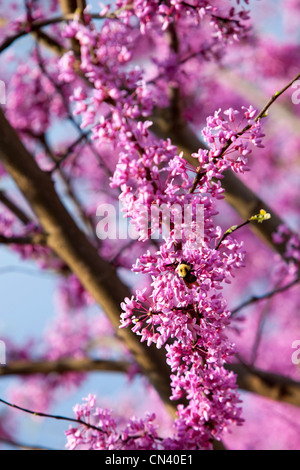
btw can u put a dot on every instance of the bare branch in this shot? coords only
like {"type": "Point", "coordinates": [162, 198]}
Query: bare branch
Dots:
{"type": "Point", "coordinates": [273, 386]}
{"type": "Point", "coordinates": [49, 42]}
{"type": "Point", "coordinates": [82, 365]}
{"type": "Point", "coordinates": [14, 208]}
{"type": "Point", "coordinates": [47, 415]}
{"type": "Point", "coordinates": [35, 239]}
{"type": "Point", "coordinates": [35, 26]}
{"type": "Point", "coordinates": [268, 295]}
{"type": "Point", "coordinates": [270, 385]}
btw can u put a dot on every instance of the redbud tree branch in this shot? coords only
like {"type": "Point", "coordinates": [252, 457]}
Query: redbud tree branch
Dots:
{"type": "Point", "coordinates": [280, 111]}
{"type": "Point", "coordinates": [57, 417]}
{"type": "Point", "coordinates": [70, 420]}
{"type": "Point", "coordinates": [37, 25]}
{"type": "Point", "coordinates": [267, 295]}
{"type": "Point", "coordinates": [70, 244]}
{"type": "Point", "coordinates": [267, 384]}
{"type": "Point", "coordinates": [60, 366]}
{"type": "Point", "coordinates": [274, 386]}
{"type": "Point", "coordinates": [35, 239]}
{"type": "Point", "coordinates": [14, 208]}
{"type": "Point", "coordinates": [34, 27]}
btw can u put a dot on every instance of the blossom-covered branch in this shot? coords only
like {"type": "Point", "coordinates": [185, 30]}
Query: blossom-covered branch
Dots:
{"type": "Point", "coordinates": [72, 246]}
{"type": "Point", "coordinates": [231, 138]}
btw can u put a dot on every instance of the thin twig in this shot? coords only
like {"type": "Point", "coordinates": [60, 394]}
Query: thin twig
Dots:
{"type": "Point", "coordinates": [72, 420]}
{"type": "Point", "coordinates": [230, 231]}
{"type": "Point", "coordinates": [14, 208]}
{"type": "Point", "coordinates": [260, 329]}
{"type": "Point", "coordinates": [86, 220]}
{"type": "Point", "coordinates": [254, 299]}
{"type": "Point", "coordinates": [262, 114]}
{"type": "Point", "coordinates": [261, 217]}
{"type": "Point", "coordinates": [81, 365]}
{"type": "Point", "coordinates": [38, 24]}
{"type": "Point", "coordinates": [57, 417]}
{"type": "Point", "coordinates": [70, 117]}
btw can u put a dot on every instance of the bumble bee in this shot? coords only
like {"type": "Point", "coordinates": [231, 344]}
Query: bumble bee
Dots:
{"type": "Point", "coordinates": [185, 272]}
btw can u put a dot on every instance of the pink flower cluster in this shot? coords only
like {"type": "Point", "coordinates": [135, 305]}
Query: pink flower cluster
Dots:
{"type": "Point", "coordinates": [228, 140]}
{"type": "Point", "coordinates": [192, 315]}
{"type": "Point", "coordinates": [187, 316]}
{"type": "Point", "coordinates": [226, 22]}
{"type": "Point", "coordinates": [106, 433]}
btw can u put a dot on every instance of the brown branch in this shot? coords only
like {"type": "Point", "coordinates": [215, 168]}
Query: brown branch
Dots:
{"type": "Point", "coordinates": [175, 106]}
{"type": "Point", "coordinates": [268, 295]}
{"type": "Point", "coordinates": [267, 384]}
{"type": "Point", "coordinates": [274, 386]}
{"type": "Point", "coordinates": [70, 117]}
{"type": "Point", "coordinates": [57, 417]}
{"type": "Point", "coordinates": [69, 7]}
{"type": "Point", "coordinates": [35, 239]}
{"type": "Point", "coordinates": [61, 366]}
{"type": "Point", "coordinates": [14, 208]}
{"type": "Point", "coordinates": [86, 220]}
{"type": "Point", "coordinates": [64, 237]}
{"type": "Point", "coordinates": [35, 26]}
{"type": "Point", "coordinates": [49, 42]}
{"type": "Point", "coordinates": [39, 24]}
